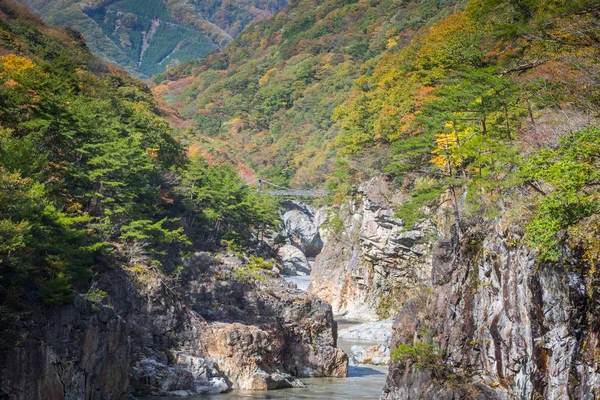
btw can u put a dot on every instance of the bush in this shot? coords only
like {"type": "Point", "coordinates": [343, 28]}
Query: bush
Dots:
{"type": "Point", "coordinates": [424, 356]}
{"type": "Point", "coordinates": [251, 270]}
{"type": "Point", "coordinates": [95, 295]}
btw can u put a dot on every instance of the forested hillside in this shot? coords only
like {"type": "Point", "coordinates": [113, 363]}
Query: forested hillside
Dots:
{"type": "Point", "coordinates": [90, 175]}
{"type": "Point", "coordinates": [491, 97]}
{"type": "Point", "coordinates": [267, 100]}
{"type": "Point", "coordinates": [233, 16]}
{"type": "Point", "coordinates": [494, 102]}
{"type": "Point", "coordinates": [147, 36]}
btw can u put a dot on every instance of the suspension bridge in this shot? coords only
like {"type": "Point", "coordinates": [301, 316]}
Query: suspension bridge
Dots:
{"type": "Point", "coordinates": [263, 185]}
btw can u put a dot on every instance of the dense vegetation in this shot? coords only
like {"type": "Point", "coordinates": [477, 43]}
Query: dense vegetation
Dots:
{"type": "Point", "coordinates": [500, 101]}
{"type": "Point", "coordinates": [494, 100]}
{"type": "Point", "coordinates": [147, 36]}
{"type": "Point", "coordinates": [267, 100]}
{"type": "Point", "coordinates": [90, 175]}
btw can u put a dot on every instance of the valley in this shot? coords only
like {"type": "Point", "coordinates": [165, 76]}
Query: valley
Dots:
{"type": "Point", "coordinates": [146, 37]}
{"type": "Point", "coordinates": [338, 199]}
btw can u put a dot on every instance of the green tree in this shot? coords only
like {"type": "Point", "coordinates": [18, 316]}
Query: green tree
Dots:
{"type": "Point", "coordinates": [222, 205]}
{"type": "Point", "coordinates": [571, 202]}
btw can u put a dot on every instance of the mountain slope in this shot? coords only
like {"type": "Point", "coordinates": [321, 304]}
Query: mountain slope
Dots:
{"type": "Point", "coordinates": [267, 100]}
{"type": "Point", "coordinates": [102, 218]}
{"type": "Point", "coordinates": [88, 168]}
{"type": "Point", "coordinates": [147, 36]}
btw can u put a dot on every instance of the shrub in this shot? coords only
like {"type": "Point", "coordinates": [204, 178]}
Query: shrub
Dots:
{"type": "Point", "coordinates": [423, 356]}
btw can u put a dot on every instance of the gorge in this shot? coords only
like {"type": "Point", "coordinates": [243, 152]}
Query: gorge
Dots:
{"type": "Point", "coordinates": [450, 250]}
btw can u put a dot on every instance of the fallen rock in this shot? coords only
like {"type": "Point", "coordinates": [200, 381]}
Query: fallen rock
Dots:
{"type": "Point", "coordinates": [374, 355]}
{"type": "Point", "coordinates": [294, 261]}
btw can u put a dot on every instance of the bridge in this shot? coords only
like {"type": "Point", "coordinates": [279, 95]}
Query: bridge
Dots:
{"type": "Point", "coordinates": [286, 192]}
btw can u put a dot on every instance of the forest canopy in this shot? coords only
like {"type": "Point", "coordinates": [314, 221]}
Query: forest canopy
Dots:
{"type": "Point", "coordinates": [90, 171]}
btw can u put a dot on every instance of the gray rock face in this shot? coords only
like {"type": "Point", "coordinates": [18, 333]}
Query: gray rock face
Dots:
{"type": "Point", "coordinates": [294, 261]}
{"type": "Point", "coordinates": [211, 330]}
{"type": "Point", "coordinates": [509, 327]}
{"type": "Point", "coordinates": [79, 351]}
{"type": "Point", "coordinates": [189, 374]}
{"type": "Point", "coordinates": [367, 271]}
{"type": "Point", "coordinates": [301, 224]}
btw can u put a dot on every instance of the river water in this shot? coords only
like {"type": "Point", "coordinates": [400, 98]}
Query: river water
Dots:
{"type": "Point", "coordinates": [363, 382]}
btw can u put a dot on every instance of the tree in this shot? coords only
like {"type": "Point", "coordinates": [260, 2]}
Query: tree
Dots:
{"type": "Point", "coordinates": [221, 205]}
{"type": "Point", "coordinates": [571, 205]}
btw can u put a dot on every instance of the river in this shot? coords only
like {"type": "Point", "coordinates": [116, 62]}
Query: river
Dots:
{"type": "Point", "coordinates": [363, 382]}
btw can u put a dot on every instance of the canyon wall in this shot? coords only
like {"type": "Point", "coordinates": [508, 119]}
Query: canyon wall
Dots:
{"type": "Point", "coordinates": [370, 266]}
{"type": "Point", "coordinates": [497, 324]}
{"type": "Point", "coordinates": [222, 322]}
{"type": "Point", "coordinates": [78, 352]}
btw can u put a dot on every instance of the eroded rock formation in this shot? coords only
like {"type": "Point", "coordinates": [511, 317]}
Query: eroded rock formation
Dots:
{"type": "Point", "coordinates": [220, 324]}
{"type": "Point", "coordinates": [502, 326]}
{"type": "Point", "coordinates": [301, 225]}
{"type": "Point", "coordinates": [363, 270]}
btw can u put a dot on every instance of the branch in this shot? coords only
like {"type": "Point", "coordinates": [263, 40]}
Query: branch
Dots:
{"type": "Point", "coordinates": [534, 187]}
{"type": "Point", "coordinates": [523, 67]}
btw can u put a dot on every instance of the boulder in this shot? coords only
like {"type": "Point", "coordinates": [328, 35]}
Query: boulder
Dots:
{"type": "Point", "coordinates": [189, 374]}
{"type": "Point", "coordinates": [294, 261]}
{"type": "Point", "coordinates": [301, 227]}
{"type": "Point", "coordinates": [374, 355]}
{"type": "Point", "coordinates": [380, 331]}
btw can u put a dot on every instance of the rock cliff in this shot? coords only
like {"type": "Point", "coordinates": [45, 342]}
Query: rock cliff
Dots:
{"type": "Point", "coordinates": [301, 232]}
{"type": "Point", "coordinates": [363, 268]}
{"type": "Point", "coordinates": [80, 351]}
{"type": "Point", "coordinates": [498, 325]}
{"type": "Point", "coordinates": [222, 323]}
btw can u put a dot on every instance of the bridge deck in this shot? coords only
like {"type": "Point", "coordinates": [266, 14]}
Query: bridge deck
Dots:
{"type": "Point", "coordinates": [283, 191]}
{"type": "Point", "coordinates": [312, 193]}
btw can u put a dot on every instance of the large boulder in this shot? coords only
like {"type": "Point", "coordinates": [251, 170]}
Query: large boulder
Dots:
{"type": "Point", "coordinates": [301, 226]}
{"type": "Point", "coordinates": [380, 331]}
{"type": "Point", "coordinates": [189, 374]}
{"type": "Point", "coordinates": [374, 355]}
{"type": "Point", "coordinates": [294, 261]}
